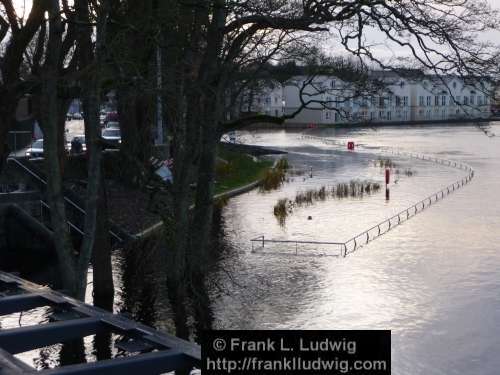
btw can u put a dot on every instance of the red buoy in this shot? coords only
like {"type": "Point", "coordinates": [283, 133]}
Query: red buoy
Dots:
{"type": "Point", "coordinates": [350, 145]}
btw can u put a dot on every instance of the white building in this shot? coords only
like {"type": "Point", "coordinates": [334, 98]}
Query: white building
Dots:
{"type": "Point", "coordinates": [267, 99]}
{"type": "Point", "coordinates": [329, 100]}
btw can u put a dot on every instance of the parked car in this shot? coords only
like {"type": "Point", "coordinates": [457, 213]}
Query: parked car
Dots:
{"type": "Point", "coordinates": [36, 149]}
{"type": "Point", "coordinates": [112, 135]}
{"type": "Point", "coordinates": [111, 116]}
{"type": "Point", "coordinates": [112, 125]}
{"type": "Point", "coordinates": [77, 138]}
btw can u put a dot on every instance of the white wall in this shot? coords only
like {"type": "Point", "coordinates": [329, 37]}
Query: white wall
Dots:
{"type": "Point", "coordinates": [404, 100]}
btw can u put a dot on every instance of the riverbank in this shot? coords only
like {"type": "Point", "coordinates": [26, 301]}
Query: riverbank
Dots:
{"type": "Point", "coordinates": [236, 170]}
{"type": "Point", "coordinates": [370, 124]}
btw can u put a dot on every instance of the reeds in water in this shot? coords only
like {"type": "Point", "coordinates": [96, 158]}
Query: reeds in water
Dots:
{"type": "Point", "coordinates": [351, 189]}
{"type": "Point", "coordinates": [408, 172]}
{"type": "Point", "coordinates": [384, 163]}
{"type": "Point", "coordinates": [275, 177]}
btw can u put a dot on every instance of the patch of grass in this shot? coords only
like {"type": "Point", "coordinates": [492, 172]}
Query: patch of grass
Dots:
{"type": "Point", "coordinates": [234, 170]}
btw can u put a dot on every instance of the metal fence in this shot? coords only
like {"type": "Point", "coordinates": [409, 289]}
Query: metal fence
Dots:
{"type": "Point", "coordinates": [363, 238]}
{"type": "Point", "coordinates": [76, 212]}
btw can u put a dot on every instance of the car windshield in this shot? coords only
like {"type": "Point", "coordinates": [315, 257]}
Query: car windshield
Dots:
{"type": "Point", "coordinates": [37, 144]}
{"type": "Point", "coordinates": [81, 139]}
{"type": "Point", "coordinates": [113, 124]}
{"type": "Point", "coordinates": [111, 133]}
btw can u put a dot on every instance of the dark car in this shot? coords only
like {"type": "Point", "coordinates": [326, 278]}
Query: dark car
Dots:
{"type": "Point", "coordinates": [111, 116]}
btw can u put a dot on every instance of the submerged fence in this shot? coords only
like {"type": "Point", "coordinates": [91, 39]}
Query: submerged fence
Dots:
{"type": "Point", "coordinates": [363, 238]}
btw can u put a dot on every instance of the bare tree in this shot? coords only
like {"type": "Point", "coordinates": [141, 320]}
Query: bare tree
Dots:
{"type": "Point", "coordinates": [209, 45]}
{"type": "Point", "coordinates": [15, 35]}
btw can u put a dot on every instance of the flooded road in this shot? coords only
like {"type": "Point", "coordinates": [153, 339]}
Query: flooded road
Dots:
{"type": "Point", "coordinates": [434, 280]}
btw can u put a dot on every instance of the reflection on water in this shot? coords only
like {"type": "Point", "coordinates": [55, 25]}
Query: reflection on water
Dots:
{"type": "Point", "coordinates": [434, 280]}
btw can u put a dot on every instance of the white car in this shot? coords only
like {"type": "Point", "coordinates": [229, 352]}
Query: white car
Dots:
{"type": "Point", "coordinates": [112, 135]}
{"type": "Point", "coordinates": [36, 149]}
{"type": "Point", "coordinates": [112, 125]}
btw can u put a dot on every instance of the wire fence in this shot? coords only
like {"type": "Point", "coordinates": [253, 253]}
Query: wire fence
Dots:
{"type": "Point", "coordinates": [363, 238]}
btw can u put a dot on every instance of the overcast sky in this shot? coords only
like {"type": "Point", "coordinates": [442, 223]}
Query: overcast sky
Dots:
{"type": "Point", "coordinates": [383, 49]}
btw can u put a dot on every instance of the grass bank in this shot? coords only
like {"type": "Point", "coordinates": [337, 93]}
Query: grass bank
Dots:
{"type": "Point", "coordinates": [235, 170]}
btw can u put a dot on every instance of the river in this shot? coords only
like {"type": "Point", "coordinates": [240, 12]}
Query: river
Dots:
{"type": "Point", "coordinates": [434, 280]}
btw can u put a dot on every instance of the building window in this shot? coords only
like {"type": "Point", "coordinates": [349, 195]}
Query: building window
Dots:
{"type": "Point", "coordinates": [443, 100]}
{"type": "Point", "coordinates": [381, 115]}
{"type": "Point", "coordinates": [421, 101]}
{"type": "Point", "coordinates": [466, 100]}
{"type": "Point", "coordinates": [405, 101]}
{"type": "Point", "coordinates": [479, 100]}
{"type": "Point", "coordinates": [398, 101]}
{"type": "Point", "coordinates": [459, 98]}
{"type": "Point", "coordinates": [436, 100]}
{"type": "Point", "coordinates": [332, 84]}
{"type": "Point", "coordinates": [472, 99]}
{"type": "Point", "coordinates": [327, 115]}
{"type": "Point", "coordinates": [429, 101]}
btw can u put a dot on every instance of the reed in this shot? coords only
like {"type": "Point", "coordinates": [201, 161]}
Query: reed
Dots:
{"type": "Point", "coordinates": [275, 177]}
{"type": "Point", "coordinates": [408, 172]}
{"type": "Point", "coordinates": [351, 189]}
{"type": "Point", "coordinates": [384, 163]}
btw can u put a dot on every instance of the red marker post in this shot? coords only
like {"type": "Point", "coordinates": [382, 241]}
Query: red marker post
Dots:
{"type": "Point", "coordinates": [387, 176]}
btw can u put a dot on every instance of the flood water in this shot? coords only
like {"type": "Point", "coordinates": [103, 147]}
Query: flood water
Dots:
{"type": "Point", "coordinates": [434, 280]}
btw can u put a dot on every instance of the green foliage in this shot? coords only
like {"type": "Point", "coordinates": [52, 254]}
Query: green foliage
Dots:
{"type": "Point", "coordinates": [235, 169]}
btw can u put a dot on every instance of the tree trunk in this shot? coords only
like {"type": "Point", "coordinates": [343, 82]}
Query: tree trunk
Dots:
{"type": "Point", "coordinates": [94, 215]}
{"type": "Point", "coordinates": [101, 256]}
{"type": "Point", "coordinates": [49, 121]}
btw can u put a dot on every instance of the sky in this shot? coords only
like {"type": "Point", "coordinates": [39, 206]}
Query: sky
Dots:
{"type": "Point", "coordinates": [382, 49]}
